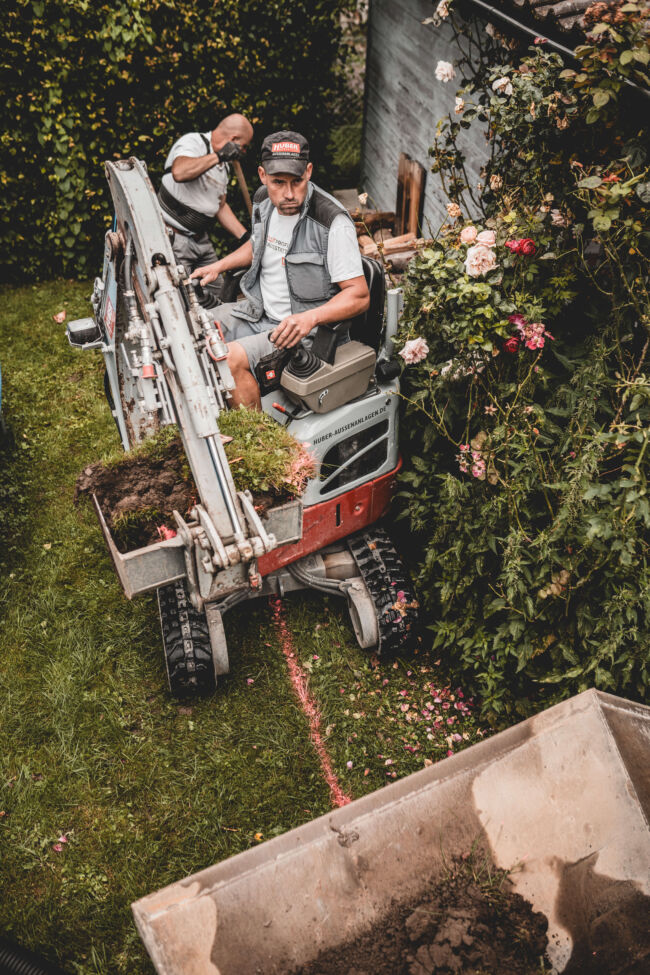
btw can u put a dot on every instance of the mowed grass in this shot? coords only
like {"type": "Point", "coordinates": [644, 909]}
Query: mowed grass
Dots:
{"type": "Point", "coordinates": [108, 788]}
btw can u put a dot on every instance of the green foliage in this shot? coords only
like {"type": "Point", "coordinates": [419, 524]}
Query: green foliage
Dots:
{"type": "Point", "coordinates": [529, 417]}
{"type": "Point", "coordinates": [88, 82]}
{"type": "Point", "coordinates": [345, 147]}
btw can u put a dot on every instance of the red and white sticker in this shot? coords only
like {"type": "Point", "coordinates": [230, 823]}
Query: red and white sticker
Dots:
{"type": "Point", "coordinates": [109, 317]}
{"type": "Point", "coordinates": [270, 374]}
{"type": "Point", "coordinates": [285, 147]}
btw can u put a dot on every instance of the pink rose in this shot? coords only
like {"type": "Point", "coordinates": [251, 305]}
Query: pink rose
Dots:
{"type": "Point", "coordinates": [468, 235]}
{"type": "Point", "coordinates": [415, 350]}
{"type": "Point", "coordinates": [487, 237]}
{"type": "Point", "coordinates": [517, 320]}
{"type": "Point", "coordinates": [511, 345]}
{"type": "Point", "coordinates": [480, 259]}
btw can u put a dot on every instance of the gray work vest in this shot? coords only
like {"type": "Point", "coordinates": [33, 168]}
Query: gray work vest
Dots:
{"type": "Point", "coordinates": [308, 277]}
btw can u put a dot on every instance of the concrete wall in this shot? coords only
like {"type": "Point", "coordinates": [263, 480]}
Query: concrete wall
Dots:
{"type": "Point", "coordinates": [404, 101]}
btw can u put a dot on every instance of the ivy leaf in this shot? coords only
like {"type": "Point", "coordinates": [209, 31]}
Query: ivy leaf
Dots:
{"type": "Point", "coordinates": [590, 182]}
{"type": "Point", "coordinates": [601, 97]}
{"type": "Point", "coordinates": [643, 192]}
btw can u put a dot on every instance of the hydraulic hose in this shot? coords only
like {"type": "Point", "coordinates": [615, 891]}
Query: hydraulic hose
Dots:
{"type": "Point", "coordinates": [15, 960]}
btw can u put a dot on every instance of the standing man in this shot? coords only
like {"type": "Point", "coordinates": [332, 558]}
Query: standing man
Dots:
{"type": "Point", "coordinates": [193, 192]}
{"type": "Point", "coordinates": [304, 265]}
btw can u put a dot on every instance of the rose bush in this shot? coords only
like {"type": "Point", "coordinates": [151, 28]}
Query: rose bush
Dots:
{"type": "Point", "coordinates": [526, 448]}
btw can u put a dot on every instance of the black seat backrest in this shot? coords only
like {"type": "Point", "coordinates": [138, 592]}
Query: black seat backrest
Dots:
{"type": "Point", "coordinates": [367, 327]}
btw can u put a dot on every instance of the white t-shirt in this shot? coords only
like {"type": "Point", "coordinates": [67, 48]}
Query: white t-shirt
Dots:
{"type": "Point", "coordinates": [343, 259]}
{"type": "Point", "coordinates": [203, 193]}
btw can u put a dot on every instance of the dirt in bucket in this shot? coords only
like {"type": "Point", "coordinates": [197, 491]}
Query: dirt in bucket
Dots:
{"type": "Point", "coordinates": [469, 923]}
{"type": "Point", "coordinates": [139, 492]}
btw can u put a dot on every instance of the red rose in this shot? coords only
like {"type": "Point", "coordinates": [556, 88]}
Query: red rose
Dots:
{"type": "Point", "coordinates": [523, 245]}
{"type": "Point", "coordinates": [511, 345]}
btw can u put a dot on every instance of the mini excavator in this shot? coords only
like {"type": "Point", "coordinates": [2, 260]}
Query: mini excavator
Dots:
{"type": "Point", "coordinates": [166, 363]}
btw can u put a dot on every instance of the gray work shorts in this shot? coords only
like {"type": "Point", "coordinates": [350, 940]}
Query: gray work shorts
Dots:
{"type": "Point", "coordinates": [193, 251]}
{"type": "Point", "coordinates": [235, 328]}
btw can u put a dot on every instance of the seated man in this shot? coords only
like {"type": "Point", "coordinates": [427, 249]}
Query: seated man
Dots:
{"type": "Point", "coordinates": [304, 265]}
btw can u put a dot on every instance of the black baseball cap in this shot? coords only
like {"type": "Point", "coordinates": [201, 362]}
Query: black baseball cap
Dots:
{"type": "Point", "coordinates": [285, 152]}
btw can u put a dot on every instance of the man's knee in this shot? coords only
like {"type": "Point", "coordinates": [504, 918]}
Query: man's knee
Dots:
{"type": "Point", "coordinates": [237, 359]}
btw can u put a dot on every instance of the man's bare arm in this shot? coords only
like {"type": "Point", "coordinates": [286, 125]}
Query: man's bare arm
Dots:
{"type": "Point", "coordinates": [186, 168]}
{"type": "Point", "coordinates": [242, 257]}
{"type": "Point", "coordinates": [351, 300]}
{"type": "Point", "coordinates": [228, 220]}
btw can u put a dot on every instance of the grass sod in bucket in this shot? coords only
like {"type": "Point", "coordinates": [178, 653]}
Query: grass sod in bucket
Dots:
{"type": "Point", "coordinates": [138, 491]}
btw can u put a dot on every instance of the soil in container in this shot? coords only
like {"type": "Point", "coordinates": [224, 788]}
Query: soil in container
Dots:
{"type": "Point", "coordinates": [139, 490]}
{"type": "Point", "coordinates": [469, 923]}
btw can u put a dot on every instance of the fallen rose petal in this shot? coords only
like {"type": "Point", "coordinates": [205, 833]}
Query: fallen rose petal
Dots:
{"type": "Point", "coordinates": [59, 318]}
{"type": "Point", "coordinates": [57, 848]}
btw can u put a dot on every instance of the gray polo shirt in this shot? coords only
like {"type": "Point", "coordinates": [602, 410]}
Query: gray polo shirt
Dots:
{"type": "Point", "coordinates": [203, 193]}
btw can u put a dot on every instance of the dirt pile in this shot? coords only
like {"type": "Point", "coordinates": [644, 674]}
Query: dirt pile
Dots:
{"type": "Point", "coordinates": [139, 492]}
{"type": "Point", "coordinates": [469, 923]}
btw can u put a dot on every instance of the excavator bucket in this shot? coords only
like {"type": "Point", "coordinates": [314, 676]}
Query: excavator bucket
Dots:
{"type": "Point", "coordinates": [562, 800]}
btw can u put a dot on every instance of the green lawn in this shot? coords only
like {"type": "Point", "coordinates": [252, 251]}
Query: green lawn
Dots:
{"type": "Point", "coordinates": [92, 749]}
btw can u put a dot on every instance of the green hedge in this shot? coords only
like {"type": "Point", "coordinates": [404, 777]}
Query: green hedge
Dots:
{"type": "Point", "coordinates": [86, 82]}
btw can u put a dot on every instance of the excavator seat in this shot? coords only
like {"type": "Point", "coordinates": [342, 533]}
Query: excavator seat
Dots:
{"type": "Point", "coordinates": [368, 326]}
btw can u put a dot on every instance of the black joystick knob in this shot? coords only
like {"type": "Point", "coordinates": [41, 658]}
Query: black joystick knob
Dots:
{"type": "Point", "coordinates": [303, 363]}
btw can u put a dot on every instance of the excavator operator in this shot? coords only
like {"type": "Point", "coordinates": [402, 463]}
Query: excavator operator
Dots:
{"type": "Point", "coordinates": [304, 266]}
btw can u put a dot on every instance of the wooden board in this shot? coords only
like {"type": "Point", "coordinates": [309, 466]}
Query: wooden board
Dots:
{"type": "Point", "coordinates": [410, 195]}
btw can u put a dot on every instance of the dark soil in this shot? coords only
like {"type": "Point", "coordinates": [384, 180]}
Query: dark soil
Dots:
{"type": "Point", "coordinates": [465, 924]}
{"type": "Point", "coordinates": [139, 493]}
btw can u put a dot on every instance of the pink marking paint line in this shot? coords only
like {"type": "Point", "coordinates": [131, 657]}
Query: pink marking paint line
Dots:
{"type": "Point", "coordinates": [300, 685]}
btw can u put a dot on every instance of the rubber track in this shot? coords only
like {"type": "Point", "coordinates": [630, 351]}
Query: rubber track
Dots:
{"type": "Point", "coordinates": [384, 574]}
{"type": "Point", "coordinates": [186, 642]}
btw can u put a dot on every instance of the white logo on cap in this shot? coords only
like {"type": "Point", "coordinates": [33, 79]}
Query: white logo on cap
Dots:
{"type": "Point", "coordinates": [285, 147]}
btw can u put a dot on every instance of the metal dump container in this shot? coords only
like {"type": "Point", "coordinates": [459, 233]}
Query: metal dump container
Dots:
{"type": "Point", "coordinates": [566, 795]}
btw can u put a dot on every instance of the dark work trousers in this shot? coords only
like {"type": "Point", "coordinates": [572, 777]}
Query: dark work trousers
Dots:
{"type": "Point", "coordinates": [197, 251]}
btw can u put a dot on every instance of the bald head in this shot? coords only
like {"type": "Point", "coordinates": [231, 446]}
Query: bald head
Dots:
{"type": "Point", "coordinates": [233, 128]}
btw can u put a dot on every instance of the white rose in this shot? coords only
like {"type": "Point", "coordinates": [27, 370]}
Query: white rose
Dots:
{"type": "Point", "coordinates": [480, 259]}
{"type": "Point", "coordinates": [442, 10]}
{"type": "Point", "coordinates": [558, 219]}
{"type": "Point", "coordinates": [445, 71]}
{"type": "Point", "coordinates": [459, 106]}
{"type": "Point", "coordinates": [363, 199]}
{"type": "Point", "coordinates": [502, 86]}
{"type": "Point", "coordinates": [415, 350]}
